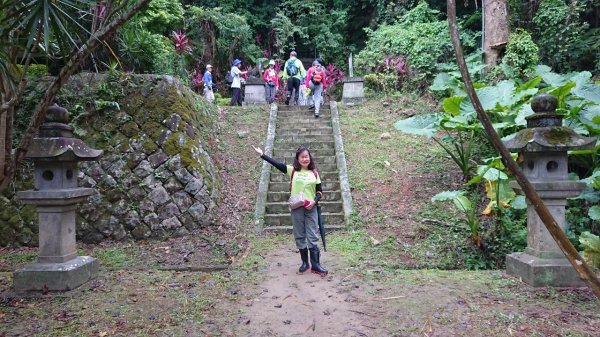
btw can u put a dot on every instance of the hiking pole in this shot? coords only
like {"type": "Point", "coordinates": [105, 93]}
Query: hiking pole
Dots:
{"type": "Point", "coordinates": [584, 271]}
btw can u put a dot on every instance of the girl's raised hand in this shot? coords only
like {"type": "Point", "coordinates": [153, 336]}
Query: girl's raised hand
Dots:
{"type": "Point", "coordinates": [258, 150]}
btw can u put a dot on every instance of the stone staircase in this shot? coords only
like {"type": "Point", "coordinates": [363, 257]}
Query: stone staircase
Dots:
{"type": "Point", "coordinates": [296, 126]}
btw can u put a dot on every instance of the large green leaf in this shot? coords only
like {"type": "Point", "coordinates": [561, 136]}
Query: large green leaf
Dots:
{"type": "Point", "coordinates": [442, 82]}
{"type": "Point", "coordinates": [590, 117]}
{"type": "Point", "coordinates": [447, 195]}
{"type": "Point", "coordinates": [590, 92]}
{"type": "Point", "coordinates": [563, 90]}
{"type": "Point", "coordinates": [463, 203]}
{"type": "Point", "coordinates": [531, 84]}
{"type": "Point", "coordinates": [505, 93]}
{"type": "Point", "coordinates": [520, 202]}
{"type": "Point", "coordinates": [524, 112]}
{"type": "Point", "coordinates": [542, 69]}
{"type": "Point", "coordinates": [554, 80]}
{"type": "Point", "coordinates": [422, 125]}
{"type": "Point", "coordinates": [591, 248]}
{"type": "Point", "coordinates": [594, 212]}
{"type": "Point", "coordinates": [451, 105]}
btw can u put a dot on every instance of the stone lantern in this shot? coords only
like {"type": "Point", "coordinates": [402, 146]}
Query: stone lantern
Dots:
{"type": "Point", "coordinates": [55, 154]}
{"type": "Point", "coordinates": [542, 148]}
{"type": "Point", "coordinates": [353, 92]}
{"type": "Point", "coordinates": [254, 91]}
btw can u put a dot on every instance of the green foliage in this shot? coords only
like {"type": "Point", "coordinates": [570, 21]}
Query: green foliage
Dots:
{"type": "Point", "coordinates": [161, 17]}
{"type": "Point", "coordinates": [312, 25]}
{"type": "Point", "coordinates": [591, 248]}
{"type": "Point", "coordinates": [144, 52]}
{"type": "Point", "coordinates": [229, 33]}
{"type": "Point", "coordinates": [464, 205]}
{"type": "Point", "coordinates": [420, 35]}
{"type": "Point", "coordinates": [521, 54]}
{"type": "Point", "coordinates": [423, 125]}
{"type": "Point", "coordinates": [558, 29]}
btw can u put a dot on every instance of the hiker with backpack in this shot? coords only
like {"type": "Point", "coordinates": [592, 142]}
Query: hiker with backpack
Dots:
{"type": "Point", "coordinates": [305, 193]}
{"type": "Point", "coordinates": [293, 71]}
{"type": "Point", "coordinates": [234, 77]}
{"type": "Point", "coordinates": [208, 84]}
{"type": "Point", "coordinates": [316, 83]}
{"type": "Point", "coordinates": [271, 78]}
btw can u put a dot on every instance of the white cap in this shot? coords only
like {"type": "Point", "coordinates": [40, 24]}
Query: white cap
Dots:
{"type": "Point", "coordinates": [272, 62]}
{"type": "Point", "coordinates": [208, 66]}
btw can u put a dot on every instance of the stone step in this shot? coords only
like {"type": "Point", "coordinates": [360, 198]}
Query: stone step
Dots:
{"type": "Point", "coordinates": [318, 160]}
{"type": "Point", "coordinates": [284, 186]}
{"type": "Point", "coordinates": [284, 207]}
{"type": "Point", "coordinates": [294, 108]}
{"type": "Point", "coordinates": [288, 229]}
{"type": "Point", "coordinates": [302, 120]}
{"type": "Point", "coordinates": [284, 196]}
{"type": "Point", "coordinates": [304, 132]}
{"type": "Point", "coordinates": [312, 144]}
{"type": "Point", "coordinates": [308, 126]}
{"type": "Point", "coordinates": [291, 152]}
{"type": "Point", "coordinates": [325, 176]}
{"type": "Point", "coordinates": [302, 138]}
{"type": "Point", "coordinates": [330, 219]}
{"type": "Point", "coordinates": [304, 113]}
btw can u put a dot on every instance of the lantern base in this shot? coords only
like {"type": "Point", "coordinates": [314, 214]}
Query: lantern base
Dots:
{"type": "Point", "coordinates": [539, 272]}
{"type": "Point", "coordinates": [55, 276]}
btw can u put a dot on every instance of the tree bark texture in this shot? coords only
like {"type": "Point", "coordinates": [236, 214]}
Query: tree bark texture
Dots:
{"type": "Point", "coordinates": [65, 73]}
{"type": "Point", "coordinates": [495, 30]}
{"type": "Point", "coordinates": [584, 271]}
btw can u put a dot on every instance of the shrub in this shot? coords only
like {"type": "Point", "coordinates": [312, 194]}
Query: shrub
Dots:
{"type": "Point", "coordinates": [420, 36]}
{"type": "Point", "coordinates": [521, 54]}
{"type": "Point", "coordinates": [558, 30]}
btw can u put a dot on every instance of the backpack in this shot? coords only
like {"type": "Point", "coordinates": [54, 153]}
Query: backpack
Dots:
{"type": "Point", "coordinates": [317, 76]}
{"type": "Point", "coordinates": [229, 77]}
{"type": "Point", "coordinates": [291, 68]}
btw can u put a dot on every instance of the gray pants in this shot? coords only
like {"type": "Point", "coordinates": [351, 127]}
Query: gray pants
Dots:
{"type": "Point", "coordinates": [305, 227]}
{"type": "Point", "coordinates": [270, 93]}
{"type": "Point", "coordinates": [317, 97]}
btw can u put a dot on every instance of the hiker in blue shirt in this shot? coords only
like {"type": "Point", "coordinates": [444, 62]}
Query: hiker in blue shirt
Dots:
{"type": "Point", "coordinates": [236, 83]}
{"type": "Point", "coordinates": [208, 84]}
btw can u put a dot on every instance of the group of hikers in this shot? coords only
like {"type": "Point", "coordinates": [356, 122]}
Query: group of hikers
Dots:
{"type": "Point", "coordinates": [294, 73]}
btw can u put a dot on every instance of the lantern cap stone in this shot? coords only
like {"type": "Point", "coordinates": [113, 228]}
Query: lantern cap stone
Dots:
{"type": "Point", "coordinates": [55, 141]}
{"type": "Point", "coordinates": [545, 133]}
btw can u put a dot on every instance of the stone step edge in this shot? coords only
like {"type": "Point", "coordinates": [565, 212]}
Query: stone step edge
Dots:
{"type": "Point", "coordinates": [288, 229]}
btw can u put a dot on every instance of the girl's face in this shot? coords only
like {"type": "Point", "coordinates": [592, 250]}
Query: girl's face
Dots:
{"type": "Point", "coordinates": [304, 159]}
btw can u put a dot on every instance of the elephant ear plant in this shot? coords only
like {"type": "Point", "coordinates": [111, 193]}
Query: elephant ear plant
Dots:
{"type": "Point", "coordinates": [464, 205]}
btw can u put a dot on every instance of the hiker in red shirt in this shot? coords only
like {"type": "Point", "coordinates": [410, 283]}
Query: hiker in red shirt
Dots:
{"type": "Point", "coordinates": [315, 81]}
{"type": "Point", "coordinates": [271, 78]}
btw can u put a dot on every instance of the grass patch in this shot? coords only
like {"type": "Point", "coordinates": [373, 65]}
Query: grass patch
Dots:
{"type": "Point", "coordinates": [116, 257]}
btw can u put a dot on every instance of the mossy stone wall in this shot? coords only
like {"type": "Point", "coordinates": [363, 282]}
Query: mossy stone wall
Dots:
{"type": "Point", "coordinates": [157, 177]}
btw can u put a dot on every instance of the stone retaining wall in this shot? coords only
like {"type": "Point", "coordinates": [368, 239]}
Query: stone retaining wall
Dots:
{"type": "Point", "coordinates": [156, 179]}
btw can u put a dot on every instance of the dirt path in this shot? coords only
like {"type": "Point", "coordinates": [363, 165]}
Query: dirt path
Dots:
{"type": "Point", "coordinates": [286, 303]}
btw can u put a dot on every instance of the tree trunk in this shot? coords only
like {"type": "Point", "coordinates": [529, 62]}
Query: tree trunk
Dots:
{"type": "Point", "coordinates": [495, 30]}
{"type": "Point", "coordinates": [65, 73]}
{"type": "Point", "coordinates": [584, 271]}
{"type": "Point", "coordinates": [2, 143]}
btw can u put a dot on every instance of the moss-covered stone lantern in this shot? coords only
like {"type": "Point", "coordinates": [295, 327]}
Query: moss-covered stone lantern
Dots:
{"type": "Point", "coordinates": [55, 154]}
{"type": "Point", "coordinates": [542, 148]}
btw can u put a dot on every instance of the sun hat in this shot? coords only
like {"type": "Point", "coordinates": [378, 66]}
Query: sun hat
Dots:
{"type": "Point", "coordinates": [272, 62]}
{"type": "Point", "coordinates": [208, 66]}
{"type": "Point", "coordinates": [236, 62]}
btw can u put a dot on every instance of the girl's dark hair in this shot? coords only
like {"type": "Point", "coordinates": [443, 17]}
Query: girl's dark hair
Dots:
{"type": "Point", "coordinates": [297, 166]}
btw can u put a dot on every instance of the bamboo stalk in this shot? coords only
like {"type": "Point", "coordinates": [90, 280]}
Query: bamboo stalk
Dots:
{"type": "Point", "coordinates": [584, 271]}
